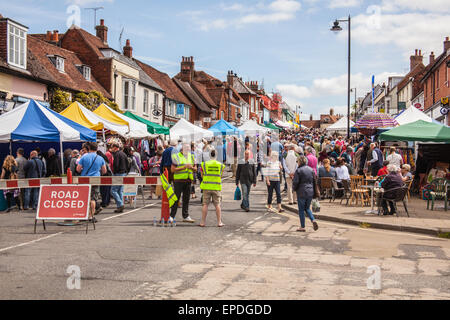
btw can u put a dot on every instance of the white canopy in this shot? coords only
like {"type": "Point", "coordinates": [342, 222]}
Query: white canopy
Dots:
{"type": "Point", "coordinates": [341, 125]}
{"type": "Point", "coordinates": [412, 114]}
{"type": "Point", "coordinates": [251, 127]}
{"type": "Point", "coordinates": [187, 131]}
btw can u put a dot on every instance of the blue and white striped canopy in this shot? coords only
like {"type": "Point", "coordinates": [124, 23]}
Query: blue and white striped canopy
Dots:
{"type": "Point", "coordinates": [34, 122]}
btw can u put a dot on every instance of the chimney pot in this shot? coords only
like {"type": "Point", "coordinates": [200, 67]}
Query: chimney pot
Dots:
{"type": "Point", "coordinates": [102, 22]}
{"type": "Point", "coordinates": [49, 36]}
{"type": "Point", "coordinates": [446, 44]}
{"type": "Point", "coordinates": [128, 50]}
{"type": "Point", "coordinates": [102, 31]}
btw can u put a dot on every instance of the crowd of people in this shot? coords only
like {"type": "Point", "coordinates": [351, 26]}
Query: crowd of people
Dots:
{"type": "Point", "coordinates": [294, 161]}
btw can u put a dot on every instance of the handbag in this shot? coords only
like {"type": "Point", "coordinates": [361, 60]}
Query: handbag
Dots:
{"type": "Point", "coordinates": [237, 194]}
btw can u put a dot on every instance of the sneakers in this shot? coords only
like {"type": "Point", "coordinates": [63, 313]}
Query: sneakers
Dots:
{"type": "Point", "coordinates": [170, 220]}
{"type": "Point", "coordinates": [189, 220]}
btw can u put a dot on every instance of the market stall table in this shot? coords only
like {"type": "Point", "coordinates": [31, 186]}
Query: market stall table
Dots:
{"type": "Point", "coordinates": [371, 186]}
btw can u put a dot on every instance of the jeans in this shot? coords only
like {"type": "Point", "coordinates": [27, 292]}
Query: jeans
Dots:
{"type": "Point", "coordinates": [105, 191]}
{"type": "Point", "coordinates": [245, 195]}
{"type": "Point", "coordinates": [185, 189]}
{"type": "Point", "coordinates": [274, 185]}
{"type": "Point", "coordinates": [304, 205]}
{"type": "Point", "coordinates": [33, 195]}
{"type": "Point", "coordinates": [117, 191]}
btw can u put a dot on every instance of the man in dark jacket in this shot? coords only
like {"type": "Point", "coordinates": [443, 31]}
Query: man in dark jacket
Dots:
{"type": "Point", "coordinates": [391, 181]}
{"type": "Point", "coordinates": [120, 168]}
{"type": "Point", "coordinates": [246, 175]}
{"type": "Point", "coordinates": [53, 164]}
{"type": "Point", "coordinates": [34, 168]}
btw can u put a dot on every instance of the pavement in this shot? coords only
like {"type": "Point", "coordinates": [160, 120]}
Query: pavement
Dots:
{"type": "Point", "coordinates": [257, 256]}
{"type": "Point", "coordinates": [421, 220]}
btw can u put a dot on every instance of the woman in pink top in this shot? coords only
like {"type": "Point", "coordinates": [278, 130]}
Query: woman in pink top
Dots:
{"type": "Point", "coordinates": [312, 160]}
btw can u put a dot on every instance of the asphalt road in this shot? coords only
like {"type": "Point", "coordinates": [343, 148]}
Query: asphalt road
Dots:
{"type": "Point", "coordinates": [257, 255]}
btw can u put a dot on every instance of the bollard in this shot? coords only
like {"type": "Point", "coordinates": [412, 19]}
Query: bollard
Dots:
{"type": "Point", "coordinates": [165, 209]}
{"type": "Point", "coordinates": [69, 176]}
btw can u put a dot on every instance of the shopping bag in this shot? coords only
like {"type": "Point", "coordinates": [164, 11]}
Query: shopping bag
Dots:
{"type": "Point", "coordinates": [315, 205]}
{"type": "Point", "coordinates": [238, 194]}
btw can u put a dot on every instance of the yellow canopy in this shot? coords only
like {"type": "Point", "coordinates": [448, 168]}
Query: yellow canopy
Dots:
{"type": "Point", "coordinates": [104, 112]}
{"type": "Point", "coordinates": [74, 113]}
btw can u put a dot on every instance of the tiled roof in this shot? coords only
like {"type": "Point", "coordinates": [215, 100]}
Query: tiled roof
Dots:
{"type": "Point", "coordinates": [418, 69]}
{"type": "Point", "coordinates": [41, 67]}
{"type": "Point", "coordinates": [216, 95]}
{"type": "Point", "coordinates": [312, 124]}
{"type": "Point", "coordinates": [192, 94]}
{"type": "Point", "coordinates": [201, 89]}
{"type": "Point", "coordinates": [164, 81]}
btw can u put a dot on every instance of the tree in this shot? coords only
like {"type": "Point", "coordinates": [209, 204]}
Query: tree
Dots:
{"type": "Point", "coordinates": [60, 100]}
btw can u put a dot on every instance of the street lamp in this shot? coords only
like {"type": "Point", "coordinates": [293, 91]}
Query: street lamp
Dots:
{"type": "Point", "coordinates": [337, 28]}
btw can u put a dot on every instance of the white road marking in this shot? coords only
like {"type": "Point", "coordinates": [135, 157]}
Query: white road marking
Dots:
{"type": "Point", "coordinates": [59, 233]}
{"type": "Point", "coordinates": [31, 242]}
{"type": "Point", "coordinates": [125, 213]}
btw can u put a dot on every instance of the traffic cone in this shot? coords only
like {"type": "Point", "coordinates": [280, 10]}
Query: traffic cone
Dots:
{"type": "Point", "coordinates": [69, 176]}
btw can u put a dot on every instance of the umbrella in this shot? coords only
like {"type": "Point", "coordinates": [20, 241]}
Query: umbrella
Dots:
{"type": "Point", "coordinates": [369, 123]}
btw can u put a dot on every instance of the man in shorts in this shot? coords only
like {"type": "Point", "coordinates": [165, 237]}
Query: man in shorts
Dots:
{"type": "Point", "coordinates": [211, 185]}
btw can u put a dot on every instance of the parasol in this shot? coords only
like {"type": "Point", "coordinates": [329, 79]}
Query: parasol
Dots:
{"type": "Point", "coordinates": [369, 123]}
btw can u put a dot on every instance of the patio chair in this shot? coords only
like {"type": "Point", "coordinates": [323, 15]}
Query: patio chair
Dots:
{"type": "Point", "coordinates": [326, 186]}
{"type": "Point", "coordinates": [395, 195]}
{"type": "Point", "coordinates": [440, 192]}
{"type": "Point", "coordinates": [345, 187]}
{"type": "Point", "coordinates": [358, 193]}
{"type": "Point", "coordinates": [347, 191]}
{"type": "Point", "coordinates": [409, 184]}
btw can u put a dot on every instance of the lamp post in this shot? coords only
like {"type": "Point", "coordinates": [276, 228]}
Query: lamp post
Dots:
{"type": "Point", "coordinates": [337, 28]}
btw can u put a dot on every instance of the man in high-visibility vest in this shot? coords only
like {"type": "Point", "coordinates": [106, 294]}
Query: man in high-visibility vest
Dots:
{"type": "Point", "coordinates": [212, 172]}
{"type": "Point", "coordinates": [183, 168]}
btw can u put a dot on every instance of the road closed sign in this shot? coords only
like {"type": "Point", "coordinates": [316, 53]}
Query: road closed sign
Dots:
{"type": "Point", "coordinates": [64, 202]}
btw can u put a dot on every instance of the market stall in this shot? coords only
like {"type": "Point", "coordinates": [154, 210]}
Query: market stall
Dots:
{"type": "Point", "coordinates": [225, 129]}
{"type": "Point", "coordinates": [340, 126]}
{"type": "Point", "coordinates": [188, 132]}
{"type": "Point", "coordinates": [81, 115]}
{"type": "Point", "coordinates": [250, 127]}
{"type": "Point", "coordinates": [137, 130]}
{"type": "Point", "coordinates": [152, 127]}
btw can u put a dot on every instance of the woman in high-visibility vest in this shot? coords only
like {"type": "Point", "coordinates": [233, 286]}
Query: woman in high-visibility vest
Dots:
{"type": "Point", "coordinates": [211, 185]}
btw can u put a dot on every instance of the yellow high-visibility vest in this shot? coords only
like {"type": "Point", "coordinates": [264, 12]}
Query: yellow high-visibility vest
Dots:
{"type": "Point", "coordinates": [169, 191]}
{"type": "Point", "coordinates": [212, 175]}
{"type": "Point", "coordinates": [179, 160]}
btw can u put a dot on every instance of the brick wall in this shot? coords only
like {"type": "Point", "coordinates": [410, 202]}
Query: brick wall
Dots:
{"type": "Point", "coordinates": [101, 68]}
{"type": "Point", "coordinates": [437, 82]}
{"type": "Point", "coordinates": [3, 39]}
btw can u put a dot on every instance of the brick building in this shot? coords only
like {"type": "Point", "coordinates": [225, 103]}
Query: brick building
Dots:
{"type": "Point", "coordinates": [436, 84]}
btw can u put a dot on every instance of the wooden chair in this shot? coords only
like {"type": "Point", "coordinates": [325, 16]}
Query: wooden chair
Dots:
{"type": "Point", "coordinates": [409, 184]}
{"type": "Point", "coordinates": [359, 193]}
{"type": "Point", "coordinates": [326, 186]}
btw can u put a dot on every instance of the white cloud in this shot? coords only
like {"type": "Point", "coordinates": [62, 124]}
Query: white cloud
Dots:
{"type": "Point", "coordinates": [329, 87]}
{"type": "Point", "coordinates": [344, 3]}
{"type": "Point", "coordinates": [407, 31]}
{"type": "Point", "coordinates": [438, 6]}
{"type": "Point", "coordinates": [276, 11]}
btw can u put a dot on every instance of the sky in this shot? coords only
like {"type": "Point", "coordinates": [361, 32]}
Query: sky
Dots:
{"type": "Point", "coordinates": [285, 44]}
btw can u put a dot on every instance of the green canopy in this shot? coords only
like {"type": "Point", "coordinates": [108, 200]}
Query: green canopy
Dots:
{"type": "Point", "coordinates": [271, 126]}
{"type": "Point", "coordinates": [418, 131]}
{"type": "Point", "coordinates": [152, 128]}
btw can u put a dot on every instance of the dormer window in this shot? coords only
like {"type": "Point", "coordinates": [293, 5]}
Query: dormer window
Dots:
{"type": "Point", "coordinates": [17, 45]}
{"type": "Point", "coordinates": [58, 62]}
{"type": "Point", "coordinates": [85, 71]}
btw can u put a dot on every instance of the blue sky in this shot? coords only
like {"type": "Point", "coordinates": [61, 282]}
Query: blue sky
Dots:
{"type": "Point", "coordinates": [285, 42]}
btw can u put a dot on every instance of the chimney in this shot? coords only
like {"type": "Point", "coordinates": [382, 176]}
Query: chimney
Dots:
{"type": "Point", "coordinates": [446, 44]}
{"type": "Point", "coordinates": [253, 85]}
{"type": "Point", "coordinates": [416, 59]}
{"type": "Point", "coordinates": [49, 36]}
{"type": "Point", "coordinates": [432, 57]}
{"type": "Point", "coordinates": [102, 31]}
{"type": "Point", "coordinates": [55, 37]}
{"type": "Point", "coordinates": [331, 112]}
{"type": "Point", "coordinates": [230, 78]}
{"type": "Point", "coordinates": [311, 118]}
{"type": "Point", "coordinates": [128, 49]}
{"type": "Point", "coordinates": [187, 69]}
